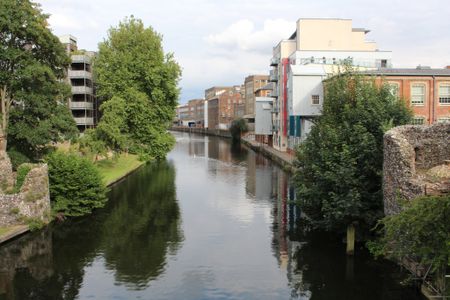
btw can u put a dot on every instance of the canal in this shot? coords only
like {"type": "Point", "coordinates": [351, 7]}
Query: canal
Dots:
{"type": "Point", "coordinates": [213, 221]}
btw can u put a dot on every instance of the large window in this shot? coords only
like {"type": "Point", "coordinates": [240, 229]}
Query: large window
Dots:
{"type": "Point", "coordinates": [444, 93]}
{"type": "Point", "coordinates": [418, 94]}
{"type": "Point", "coordinates": [443, 120]}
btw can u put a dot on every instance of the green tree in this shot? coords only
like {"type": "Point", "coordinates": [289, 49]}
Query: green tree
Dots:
{"type": "Point", "coordinates": [238, 127]}
{"type": "Point", "coordinates": [76, 187]}
{"type": "Point", "coordinates": [32, 62]}
{"type": "Point", "coordinates": [340, 163]}
{"type": "Point", "coordinates": [132, 66]}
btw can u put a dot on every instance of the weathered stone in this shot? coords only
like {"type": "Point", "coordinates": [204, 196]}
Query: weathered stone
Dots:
{"type": "Point", "coordinates": [6, 173]}
{"type": "Point", "coordinates": [409, 154]}
{"type": "Point", "coordinates": [32, 202]}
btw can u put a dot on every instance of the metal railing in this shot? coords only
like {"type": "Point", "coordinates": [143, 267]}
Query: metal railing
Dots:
{"type": "Point", "coordinates": [84, 121]}
{"type": "Point", "coordinates": [80, 74]}
{"type": "Point", "coordinates": [81, 105]}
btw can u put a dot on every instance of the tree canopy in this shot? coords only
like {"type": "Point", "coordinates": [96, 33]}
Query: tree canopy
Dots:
{"type": "Point", "coordinates": [32, 64]}
{"type": "Point", "coordinates": [138, 83]}
{"type": "Point", "coordinates": [340, 163]}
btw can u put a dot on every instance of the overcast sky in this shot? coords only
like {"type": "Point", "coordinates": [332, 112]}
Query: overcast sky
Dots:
{"type": "Point", "coordinates": [219, 42]}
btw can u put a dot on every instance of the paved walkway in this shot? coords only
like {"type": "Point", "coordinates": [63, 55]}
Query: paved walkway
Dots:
{"type": "Point", "coordinates": [284, 156]}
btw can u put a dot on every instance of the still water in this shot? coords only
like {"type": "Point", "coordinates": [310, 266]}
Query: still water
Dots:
{"type": "Point", "coordinates": [213, 221]}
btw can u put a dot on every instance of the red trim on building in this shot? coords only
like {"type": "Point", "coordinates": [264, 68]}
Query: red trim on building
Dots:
{"type": "Point", "coordinates": [285, 62]}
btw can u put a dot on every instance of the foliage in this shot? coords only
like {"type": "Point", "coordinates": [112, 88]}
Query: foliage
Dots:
{"type": "Point", "coordinates": [91, 145]}
{"type": "Point", "coordinates": [22, 172]}
{"type": "Point", "coordinates": [237, 127]}
{"type": "Point", "coordinates": [76, 187]}
{"type": "Point", "coordinates": [340, 163]}
{"type": "Point", "coordinates": [421, 231]}
{"type": "Point", "coordinates": [17, 158]}
{"type": "Point", "coordinates": [139, 83]}
{"type": "Point", "coordinates": [32, 64]}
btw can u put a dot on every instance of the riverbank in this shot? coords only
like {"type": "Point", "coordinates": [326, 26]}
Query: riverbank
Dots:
{"type": "Point", "coordinates": [113, 170]}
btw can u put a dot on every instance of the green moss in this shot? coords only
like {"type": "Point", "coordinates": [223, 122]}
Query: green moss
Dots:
{"type": "Point", "coordinates": [14, 211]}
{"type": "Point", "coordinates": [22, 173]}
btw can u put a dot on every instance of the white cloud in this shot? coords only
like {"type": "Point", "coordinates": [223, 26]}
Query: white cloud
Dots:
{"type": "Point", "coordinates": [242, 35]}
{"type": "Point", "coordinates": [64, 22]}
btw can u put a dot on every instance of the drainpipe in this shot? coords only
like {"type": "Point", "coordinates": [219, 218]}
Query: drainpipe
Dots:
{"type": "Point", "coordinates": [434, 96]}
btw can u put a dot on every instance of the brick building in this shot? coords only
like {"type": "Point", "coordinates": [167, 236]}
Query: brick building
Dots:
{"type": "Point", "coordinates": [222, 102]}
{"type": "Point", "coordinates": [425, 90]}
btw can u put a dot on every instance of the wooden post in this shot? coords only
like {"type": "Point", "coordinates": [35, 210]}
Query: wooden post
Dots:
{"type": "Point", "coordinates": [350, 239]}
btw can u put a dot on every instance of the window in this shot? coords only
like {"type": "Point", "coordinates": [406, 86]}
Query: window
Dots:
{"type": "Point", "coordinates": [418, 121]}
{"type": "Point", "coordinates": [394, 88]}
{"type": "Point", "coordinates": [315, 99]}
{"type": "Point", "coordinates": [418, 94]}
{"type": "Point", "coordinates": [384, 63]}
{"type": "Point", "coordinates": [443, 120]}
{"type": "Point", "coordinates": [444, 94]}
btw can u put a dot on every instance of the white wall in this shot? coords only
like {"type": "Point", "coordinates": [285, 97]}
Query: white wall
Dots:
{"type": "Point", "coordinates": [263, 115]}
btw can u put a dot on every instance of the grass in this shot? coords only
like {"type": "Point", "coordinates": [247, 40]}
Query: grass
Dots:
{"type": "Point", "coordinates": [8, 229]}
{"type": "Point", "coordinates": [4, 230]}
{"type": "Point", "coordinates": [114, 169]}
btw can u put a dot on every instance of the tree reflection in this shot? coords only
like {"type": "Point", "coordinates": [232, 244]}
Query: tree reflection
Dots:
{"type": "Point", "coordinates": [134, 233]}
{"type": "Point", "coordinates": [143, 226]}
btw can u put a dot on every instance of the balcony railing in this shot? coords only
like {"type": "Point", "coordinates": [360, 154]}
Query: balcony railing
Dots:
{"type": "Point", "coordinates": [81, 59]}
{"type": "Point", "coordinates": [80, 74]}
{"type": "Point", "coordinates": [274, 61]}
{"type": "Point", "coordinates": [273, 76]}
{"type": "Point", "coordinates": [274, 93]}
{"type": "Point", "coordinates": [81, 105]}
{"type": "Point", "coordinates": [84, 121]}
{"type": "Point", "coordinates": [81, 90]}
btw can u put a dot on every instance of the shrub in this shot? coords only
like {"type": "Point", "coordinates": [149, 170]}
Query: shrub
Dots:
{"type": "Point", "coordinates": [238, 127]}
{"type": "Point", "coordinates": [76, 187]}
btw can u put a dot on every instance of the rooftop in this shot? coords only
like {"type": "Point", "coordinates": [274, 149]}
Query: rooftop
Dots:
{"type": "Point", "coordinates": [421, 71]}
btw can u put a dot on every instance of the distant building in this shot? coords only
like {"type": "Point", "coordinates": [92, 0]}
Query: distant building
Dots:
{"type": "Point", "coordinates": [82, 103]}
{"type": "Point", "coordinates": [263, 120]}
{"type": "Point", "coordinates": [222, 102]}
{"type": "Point", "coordinates": [252, 84]}
{"type": "Point", "coordinates": [425, 90]}
{"type": "Point", "coordinates": [313, 52]}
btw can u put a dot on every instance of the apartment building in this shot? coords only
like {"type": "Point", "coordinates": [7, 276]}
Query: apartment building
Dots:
{"type": "Point", "coordinates": [222, 102]}
{"type": "Point", "coordinates": [426, 91]}
{"type": "Point", "coordinates": [83, 103]}
{"type": "Point", "coordinates": [315, 51]}
{"type": "Point", "coordinates": [252, 83]}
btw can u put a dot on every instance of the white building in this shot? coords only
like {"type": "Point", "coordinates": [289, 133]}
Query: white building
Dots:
{"type": "Point", "coordinates": [314, 51]}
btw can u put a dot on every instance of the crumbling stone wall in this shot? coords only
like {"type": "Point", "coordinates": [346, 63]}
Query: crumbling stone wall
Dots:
{"type": "Point", "coordinates": [31, 203]}
{"type": "Point", "coordinates": [410, 153]}
{"type": "Point", "coordinates": [6, 173]}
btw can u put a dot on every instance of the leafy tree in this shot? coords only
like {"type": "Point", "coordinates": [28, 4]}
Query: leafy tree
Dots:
{"type": "Point", "coordinates": [32, 62]}
{"type": "Point", "coordinates": [133, 72]}
{"type": "Point", "coordinates": [76, 187]}
{"type": "Point", "coordinates": [237, 127]}
{"type": "Point", "coordinates": [340, 163]}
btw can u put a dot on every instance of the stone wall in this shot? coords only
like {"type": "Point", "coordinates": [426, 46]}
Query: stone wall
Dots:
{"type": "Point", "coordinates": [32, 201]}
{"type": "Point", "coordinates": [410, 152]}
{"type": "Point", "coordinates": [6, 174]}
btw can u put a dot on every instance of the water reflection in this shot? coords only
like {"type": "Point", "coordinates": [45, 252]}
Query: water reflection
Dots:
{"type": "Point", "coordinates": [214, 221]}
{"type": "Point", "coordinates": [131, 237]}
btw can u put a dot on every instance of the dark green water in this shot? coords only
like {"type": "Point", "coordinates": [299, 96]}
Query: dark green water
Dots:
{"type": "Point", "coordinates": [212, 222]}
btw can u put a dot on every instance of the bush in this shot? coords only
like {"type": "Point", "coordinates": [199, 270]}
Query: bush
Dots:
{"type": "Point", "coordinates": [76, 187]}
{"type": "Point", "coordinates": [238, 127]}
{"type": "Point", "coordinates": [17, 158]}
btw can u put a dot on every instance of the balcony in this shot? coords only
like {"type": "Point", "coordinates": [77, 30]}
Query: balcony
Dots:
{"type": "Point", "coordinates": [275, 109]}
{"type": "Point", "coordinates": [80, 74]}
{"type": "Point", "coordinates": [274, 93]}
{"type": "Point", "coordinates": [81, 90]}
{"type": "Point", "coordinates": [81, 59]}
{"type": "Point", "coordinates": [273, 76]}
{"type": "Point", "coordinates": [81, 105]}
{"type": "Point", "coordinates": [274, 62]}
{"type": "Point", "coordinates": [84, 121]}
{"type": "Point", "coordinates": [275, 128]}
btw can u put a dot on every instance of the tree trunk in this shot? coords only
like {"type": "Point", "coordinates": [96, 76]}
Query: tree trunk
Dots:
{"type": "Point", "coordinates": [350, 239]}
{"type": "Point", "coordinates": [4, 115]}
